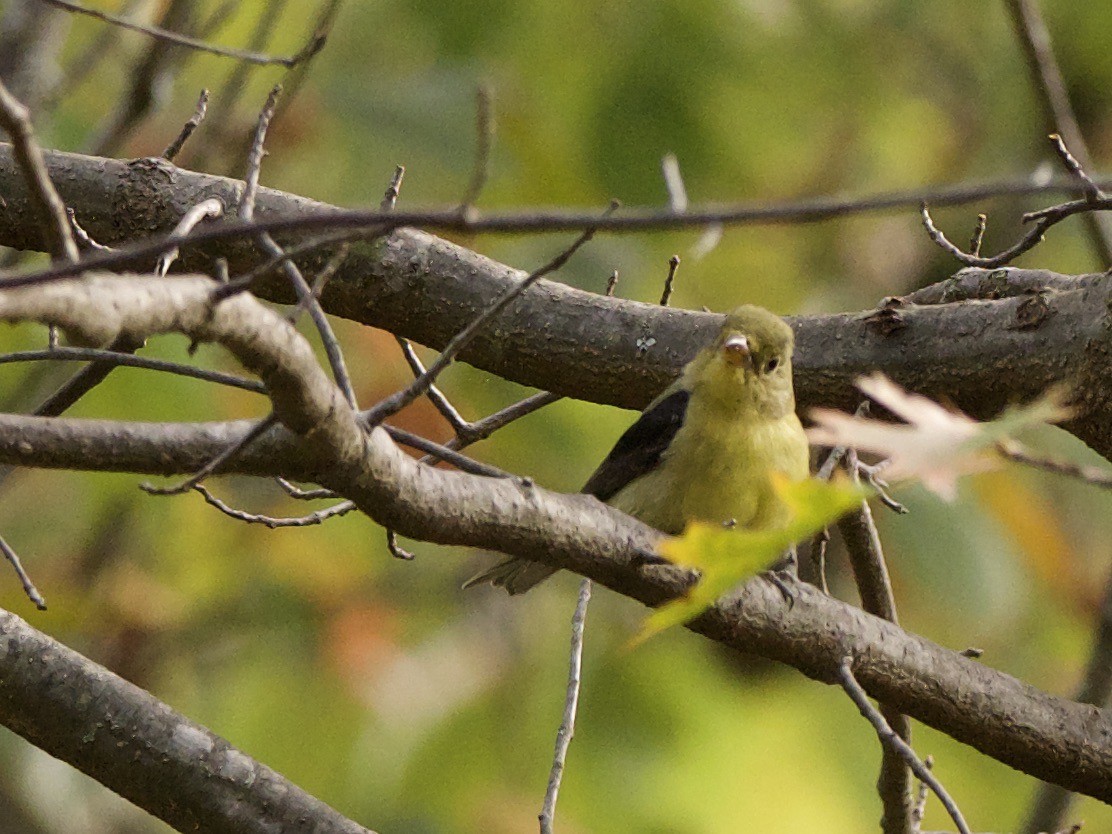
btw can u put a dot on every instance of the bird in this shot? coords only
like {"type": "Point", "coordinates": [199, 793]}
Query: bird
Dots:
{"type": "Point", "coordinates": [706, 447]}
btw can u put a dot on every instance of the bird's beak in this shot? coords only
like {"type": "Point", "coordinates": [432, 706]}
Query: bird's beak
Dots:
{"type": "Point", "coordinates": [735, 350]}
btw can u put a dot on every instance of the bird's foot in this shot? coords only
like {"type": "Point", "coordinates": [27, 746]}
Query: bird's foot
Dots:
{"type": "Point", "coordinates": [643, 556]}
{"type": "Point", "coordinates": [785, 574]}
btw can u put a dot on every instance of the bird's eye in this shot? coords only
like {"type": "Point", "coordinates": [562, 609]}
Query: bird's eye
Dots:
{"type": "Point", "coordinates": [771, 365]}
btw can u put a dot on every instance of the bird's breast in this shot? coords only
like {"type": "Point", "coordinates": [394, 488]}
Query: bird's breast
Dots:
{"type": "Point", "coordinates": [717, 471]}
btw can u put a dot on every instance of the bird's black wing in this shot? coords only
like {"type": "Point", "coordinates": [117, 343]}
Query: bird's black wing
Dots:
{"type": "Point", "coordinates": [638, 451]}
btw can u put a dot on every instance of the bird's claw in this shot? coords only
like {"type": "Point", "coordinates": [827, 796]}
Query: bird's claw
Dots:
{"type": "Point", "coordinates": [783, 579]}
{"type": "Point", "coordinates": [643, 556]}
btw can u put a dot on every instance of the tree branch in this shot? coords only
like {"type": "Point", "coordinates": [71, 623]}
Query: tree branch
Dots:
{"type": "Point", "coordinates": [136, 745]}
{"type": "Point", "coordinates": [579, 344]}
{"type": "Point", "coordinates": [1051, 738]}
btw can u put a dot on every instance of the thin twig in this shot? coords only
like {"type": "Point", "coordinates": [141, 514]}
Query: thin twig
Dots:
{"type": "Point", "coordinates": [448, 411]}
{"type": "Point", "coordinates": [395, 403]}
{"type": "Point", "coordinates": [379, 223]}
{"type": "Point", "coordinates": [318, 517]}
{"type": "Point", "coordinates": [1096, 476]}
{"type": "Point", "coordinates": [1089, 188]}
{"type": "Point", "coordinates": [15, 120]}
{"type": "Point", "coordinates": [673, 265]}
{"type": "Point", "coordinates": [174, 148]}
{"type": "Point", "coordinates": [76, 354]}
{"type": "Point", "coordinates": [83, 238]}
{"type": "Point", "coordinates": [888, 737]}
{"type": "Point", "coordinates": [484, 428]}
{"type": "Point", "coordinates": [303, 494]}
{"type": "Point", "coordinates": [920, 809]}
{"type": "Point", "coordinates": [306, 299]}
{"type": "Point", "coordinates": [571, 703]}
{"type": "Point", "coordinates": [673, 182]}
{"type": "Point", "coordinates": [978, 235]}
{"type": "Point", "coordinates": [213, 466]}
{"type": "Point", "coordinates": [255, 155]}
{"type": "Point", "coordinates": [390, 198]}
{"type": "Point", "coordinates": [212, 208]}
{"type": "Point", "coordinates": [444, 453]}
{"type": "Point", "coordinates": [1053, 95]}
{"type": "Point", "coordinates": [611, 284]}
{"type": "Point", "coordinates": [1052, 802]}
{"type": "Point", "coordinates": [484, 142]}
{"type": "Point", "coordinates": [396, 550]}
{"type": "Point", "coordinates": [183, 40]}
{"type": "Point", "coordinates": [870, 573]}
{"type": "Point", "coordinates": [25, 580]}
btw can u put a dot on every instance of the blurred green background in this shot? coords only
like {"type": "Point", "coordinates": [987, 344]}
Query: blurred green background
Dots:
{"type": "Point", "coordinates": [377, 684]}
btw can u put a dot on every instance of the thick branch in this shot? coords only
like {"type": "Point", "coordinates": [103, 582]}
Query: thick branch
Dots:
{"type": "Point", "coordinates": [981, 356]}
{"type": "Point", "coordinates": [1048, 737]}
{"type": "Point", "coordinates": [1053, 739]}
{"type": "Point", "coordinates": [136, 745]}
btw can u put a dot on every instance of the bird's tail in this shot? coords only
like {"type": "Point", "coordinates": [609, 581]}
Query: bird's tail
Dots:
{"type": "Point", "coordinates": [515, 575]}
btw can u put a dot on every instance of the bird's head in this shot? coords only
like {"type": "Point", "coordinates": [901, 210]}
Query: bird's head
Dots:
{"type": "Point", "coordinates": [748, 367]}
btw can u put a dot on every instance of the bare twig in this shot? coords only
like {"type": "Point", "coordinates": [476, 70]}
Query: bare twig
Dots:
{"type": "Point", "coordinates": [611, 284]}
{"type": "Point", "coordinates": [920, 809]}
{"type": "Point", "coordinates": [15, 120]}
{"type": "Point", "coordinates": [448, 411]}
{"type": "Point", "coordinates": [76, 354]}
{"type": "Point", "coordinates": [213, 466]}
{"type": "Point", "coordinates": [212, 207]}
{"type": "Point", "coordinates": [1050, 87]}
{"type": "Point", "coordinates": [335, 261]}
{"type": "Point", "coordinates": [305, 296]}
{"type": "Point", "coordinates": [303, 494]}
{"type": "Point", "coordinates": [673, 265]}
{"type": "Point", "coordinates": [444, 453]}
{"type": "Point", "coordinates": [1089, 189]}
{"type": "Point", "coordinates": [396, 550]}
{"type": "Point", "coordinates": [317, 517]}
{"type": "Point", "coordinates": [83, 238]}
{"type": "Point", "coordinates": [978, 234]}
{"type": "Point", "coordinates": [571, 703]}
{"type": "Point", "coordinates": [183, 40]}
{"type": "Point", "coordinates": [174, 148]}
{"type": "Point", "coordinates": [889, 738]}
{"type": "Point", "coordinates": [1052, 802]}
{"type": "Point", "coordinates": [673, 182]}
{"type": "Point", "coordinates": [484, 142]}
{"type": "Point", "coordinates": [379, 223]}
{"type": "Point", "coordinates": [484, 428]}
{"type": "Point", "coordinates": [390, 198]}
{"type": "Point", "coordinates": [25, 580]}
{"type": "Point", "coordinates": [1089, 474]}
{"type": "Point", "coordinates": [394, 404]}
{"type": "Point", "coordinates": [870, 572]}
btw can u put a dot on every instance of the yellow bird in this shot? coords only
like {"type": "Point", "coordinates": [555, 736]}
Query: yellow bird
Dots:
{"type": "Point", "coordinates": [704, 449]}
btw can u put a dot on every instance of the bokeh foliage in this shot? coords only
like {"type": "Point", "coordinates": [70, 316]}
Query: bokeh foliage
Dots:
{"type": "Point", "coordinates": [415, 707]}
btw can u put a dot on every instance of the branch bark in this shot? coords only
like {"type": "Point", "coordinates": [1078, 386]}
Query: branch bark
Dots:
{"type": "Point", "coordinates": [981, 355]}
{"type": "Point", "coordinates": [1051, 738]}
{"type": "Point", "coordinates": [136, 745]}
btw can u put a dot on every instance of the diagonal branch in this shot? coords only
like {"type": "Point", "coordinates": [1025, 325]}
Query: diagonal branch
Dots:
{"type": "Point", "coordinates": [126, 739]}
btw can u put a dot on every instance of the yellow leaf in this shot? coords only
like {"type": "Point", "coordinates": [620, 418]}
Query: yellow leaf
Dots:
{"type": "Point", "coordinates": [725, 557]}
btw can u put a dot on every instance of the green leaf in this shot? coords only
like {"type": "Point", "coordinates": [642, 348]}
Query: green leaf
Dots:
{"type": "Point", "coordinates": [725, 557]}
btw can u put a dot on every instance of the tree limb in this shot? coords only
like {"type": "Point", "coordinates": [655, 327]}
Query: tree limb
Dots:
{"type": "Point", "coordinates": [1051, 738]}
{"type": "Point", "coordinates": [136, 745]}
{"type": "Point", "coordinates": [981, 356]}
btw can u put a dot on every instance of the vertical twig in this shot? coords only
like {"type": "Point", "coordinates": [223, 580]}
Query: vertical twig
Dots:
{"type": "Point", "coordinates": [1050, 87]}
{"type": "Point", "coordinates": [669, 282]}
{"type": "Point", "coordinates": [571, 704]}
{"type": "Point", "coordinates": [871, 575]}
{"type": "Point", "coordinates": [1051, 803]}
{"type": "Point", "coordinates": [889, 738]}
